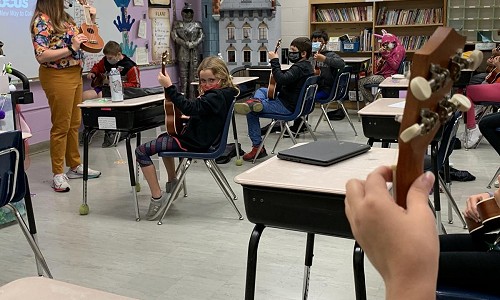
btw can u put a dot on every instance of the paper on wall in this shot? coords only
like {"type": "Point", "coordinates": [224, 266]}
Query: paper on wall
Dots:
{"type": "Point", "coordinates": [142, 33]}
{"type": "Point", "coordinates": [141, 56]}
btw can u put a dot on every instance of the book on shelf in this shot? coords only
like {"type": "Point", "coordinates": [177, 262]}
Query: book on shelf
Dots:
{"type": "Point", "coordinates": [409, 16]}
{"type": "Point", "coordinates": [343, 14]}
{"type": "Point", "coordinates": [410, 42]}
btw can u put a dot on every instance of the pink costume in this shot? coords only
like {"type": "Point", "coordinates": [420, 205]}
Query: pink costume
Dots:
{"type": "Point", "coordinates": [481, 93]}
{"type": "Point", "coordinates": [393, 58]}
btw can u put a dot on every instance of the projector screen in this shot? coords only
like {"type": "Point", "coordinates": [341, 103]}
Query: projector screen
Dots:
{"type": "Point", "coordinates": [15, 17]}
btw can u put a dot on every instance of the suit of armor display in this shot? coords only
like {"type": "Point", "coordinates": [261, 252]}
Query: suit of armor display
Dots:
{"type": "Point", "coordinates": [187, 36]}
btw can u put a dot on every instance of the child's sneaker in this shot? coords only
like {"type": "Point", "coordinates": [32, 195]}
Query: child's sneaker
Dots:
{"type": "Point", "coordinates": [250, 105]}
{"type": "Point", "coordinates": [60, 183]}
{"type": "Point", "coordinates": [250, 155]}
{"type": "Point", "coordinates": [78, 173]}
{"type": "Point", "coordinates": [473, 137]}
{"type": "Point", "coordinates": [154, 207]}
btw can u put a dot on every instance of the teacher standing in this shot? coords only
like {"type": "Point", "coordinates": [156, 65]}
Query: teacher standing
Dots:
{"type": "Point", "coordinates": [56, 41]}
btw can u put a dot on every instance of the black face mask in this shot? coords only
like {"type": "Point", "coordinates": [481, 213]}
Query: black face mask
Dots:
{"type": "Point", "coordinates": [294, 56]}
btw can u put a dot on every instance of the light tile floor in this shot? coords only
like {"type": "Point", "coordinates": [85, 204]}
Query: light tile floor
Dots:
{"type": "Point", "coordinates": [200, 251]}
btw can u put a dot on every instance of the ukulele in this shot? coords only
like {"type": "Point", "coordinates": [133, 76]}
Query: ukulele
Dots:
{"type": "Point", "coordinates": [436, 66]}
{"type": "Point", "coordinates": [271, 88]}
{"type": "Point", "coordinates": [173, 116]}
{"type": "Point", "coordinates": [317, 69]}
{"type": "Point", "coordinates": [493, 76]}
{"type": "Point", "coordinates": [99, 80]}
{"type": "Point", "coordinates": [91, 31]}
{"type": "Point", "coordinates": [489, 213]}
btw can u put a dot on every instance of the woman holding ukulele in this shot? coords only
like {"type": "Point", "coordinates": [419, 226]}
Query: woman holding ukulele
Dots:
{"type": "Point", "coordinates": [57, 42]}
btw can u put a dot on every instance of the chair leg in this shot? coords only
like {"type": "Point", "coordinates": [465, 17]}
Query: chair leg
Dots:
{"type": "Point", "coordinates": [441, 229]}
{"type": "Point", "coordinates": [31, 241]}
{"type": "Point", "coordinates": [166, 205]}
{"type": "Point", "coordinates": [451, 201]}
{"type": "Point", "coordinates": [323, 114]}
{"type": "Point", "coordinates": [309, 128]}
{"type": "Point", "coordinates": [347, 116]}
{"type": "Point", "coordinates": [271, 125]}
{"type": "Point", "coordinates": [224, 179]}
{"type": "Point", "coordinates": [184, 186]}
{"type": "Point", "coordinates": [220, 182]}
{"type": "Point", "coordinates": [494, 178]}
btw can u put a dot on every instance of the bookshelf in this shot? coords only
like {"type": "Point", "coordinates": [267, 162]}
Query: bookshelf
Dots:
{"type": "Point", "coordinates": [413, 21]}
{"type": "Point", "coordinates": [470, 16]}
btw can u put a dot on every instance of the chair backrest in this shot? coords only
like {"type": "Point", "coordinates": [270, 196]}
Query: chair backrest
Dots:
{"type": "Point", "coordinates": [220, 143]}
{"type": "Point", "coordinates": [305, 104]}
{"type": "Point", "coordinates": [342, 86]}
{"type": "Point", "coordinates": [12, 177]}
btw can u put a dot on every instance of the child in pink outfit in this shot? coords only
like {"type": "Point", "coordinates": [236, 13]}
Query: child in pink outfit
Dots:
{"type": "Point", "coordinates": [392, 54]}
{"type": "Point", "coordinates": [481, 93]}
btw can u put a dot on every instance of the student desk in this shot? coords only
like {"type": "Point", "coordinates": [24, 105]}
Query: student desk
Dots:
{"type": "Point", "coordinates": [379, 120]}
{"type": "Point", "coordinates": [44, 288]}
{"type": "Point", "coordinates": [130, 116]}
{"type": "Point", "coordinates": [390, 87]}
{"type": "Point", "coordinates": [307, 198]}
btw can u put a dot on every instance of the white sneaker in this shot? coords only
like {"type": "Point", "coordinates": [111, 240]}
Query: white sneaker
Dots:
{"type": "Point", "coordinates": [496, 184]}
{"type": "Point", "coordinates": [155, 206]}
{"type": "Point", "coordinates": [78, 173]}
{"type": "Point", "coordinates": [60, 183]}
{"type": "Point", "coordinates": [473, 137]}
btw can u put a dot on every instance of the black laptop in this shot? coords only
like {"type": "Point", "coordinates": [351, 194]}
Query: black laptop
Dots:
{"type": "Point", "coordinates": [323, 153]}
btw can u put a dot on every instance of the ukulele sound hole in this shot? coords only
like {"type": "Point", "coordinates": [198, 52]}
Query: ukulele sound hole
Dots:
{"type": "Point", "coordinates": [90, 30]}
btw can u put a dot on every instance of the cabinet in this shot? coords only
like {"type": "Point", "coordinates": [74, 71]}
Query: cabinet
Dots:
{"type": "Point", "coordinates": [470, 16]}
{"type": "Point", "coordinates": [413, 21]}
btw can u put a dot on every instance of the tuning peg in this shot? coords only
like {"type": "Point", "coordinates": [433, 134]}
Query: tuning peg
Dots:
{"type": "Point", "coordinates": [461, 102]}
{"type": "Point", "coordinates": [475, 59]}
{"type": "Point", "coordinates": [420, 88]}
{"type": "Point", "coordinates": [411, 132]}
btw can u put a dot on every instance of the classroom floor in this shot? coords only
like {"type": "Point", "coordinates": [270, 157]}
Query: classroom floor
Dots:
{"type": "Point", "coordinates": [200, 250]}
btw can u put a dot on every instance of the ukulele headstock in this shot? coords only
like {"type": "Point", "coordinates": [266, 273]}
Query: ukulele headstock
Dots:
{"type": "Point", "coordinates": [278, 45]}
{"type": "Point", "coordinates": [435, 67]}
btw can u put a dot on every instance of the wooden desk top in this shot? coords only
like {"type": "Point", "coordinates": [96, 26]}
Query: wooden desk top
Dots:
{"type": "Point", "coordinates": [384, 107]}
{"type": "Point", "coordinates": [236, 80]}
{"type": "Point", "coordinates": [106, 102]}
{"type": "Point", "coordinates": [277, 173]}
{"type": "Point", "coordinates": [44, 288]}
{"type": "Point", "coordinates": [394, 83]}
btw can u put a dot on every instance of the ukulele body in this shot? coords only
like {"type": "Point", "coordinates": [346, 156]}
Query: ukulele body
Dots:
{"type": "Point", "coordinates": [95, 43]}
{"type": "Point", "coordinates": [489, 212]}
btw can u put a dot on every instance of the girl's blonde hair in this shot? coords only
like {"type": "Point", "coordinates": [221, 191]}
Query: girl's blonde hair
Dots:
{"type": "Point", "coordinates": [55, 10]}
{"type": "Point", "coordinates": [220, 71]}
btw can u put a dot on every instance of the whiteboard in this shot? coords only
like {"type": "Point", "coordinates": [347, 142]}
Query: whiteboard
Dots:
{"type": "Point", "coordinates": [18, 48]}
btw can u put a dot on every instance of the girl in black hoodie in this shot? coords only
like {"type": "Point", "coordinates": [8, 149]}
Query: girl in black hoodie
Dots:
{"type": "Point", "coordinates": [207, 115]}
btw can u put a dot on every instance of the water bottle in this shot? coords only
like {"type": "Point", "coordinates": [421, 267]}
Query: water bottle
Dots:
{"type": "Point", "coordinates": [115, 85]}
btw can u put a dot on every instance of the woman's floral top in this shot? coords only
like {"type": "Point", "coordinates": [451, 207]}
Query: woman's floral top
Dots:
{"type": "Point", "coordinates": [45, 37]}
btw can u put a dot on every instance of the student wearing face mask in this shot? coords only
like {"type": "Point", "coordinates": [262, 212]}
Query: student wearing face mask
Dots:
{"type": "Point", "coordinates": [113, 58]}
{"type": "Point", "coordinates": [392, 53]}
{"type": "Point", "coordinates": [207, 115]}
{"type": "Point", "coordinates": [328, 63]}
{"type": "Point", "coordinates": [288, 85]}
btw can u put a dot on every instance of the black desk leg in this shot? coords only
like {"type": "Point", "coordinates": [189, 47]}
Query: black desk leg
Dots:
{"type": "Point", "coordinates": [253, 246]}
{"type": "Point", "coordinates": [84, 207]}
{"type": "Point", "coordinates": [359, 272]}
{"type": "Point", "coordinates": [30, 215]}
{"type": "Point", "coordinates": [131, 173]}
{"type": "Point", "coordinates": [308, 264]}
{"type": "Point", "coordinates": [437, 197]}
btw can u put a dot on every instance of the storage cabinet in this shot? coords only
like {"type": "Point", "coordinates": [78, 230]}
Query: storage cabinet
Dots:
{"type": "Point", "coordinates": [470, 16]}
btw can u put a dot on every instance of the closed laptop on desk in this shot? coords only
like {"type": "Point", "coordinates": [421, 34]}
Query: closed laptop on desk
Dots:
{"type": "Point", "coordinates": [323, 153]}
